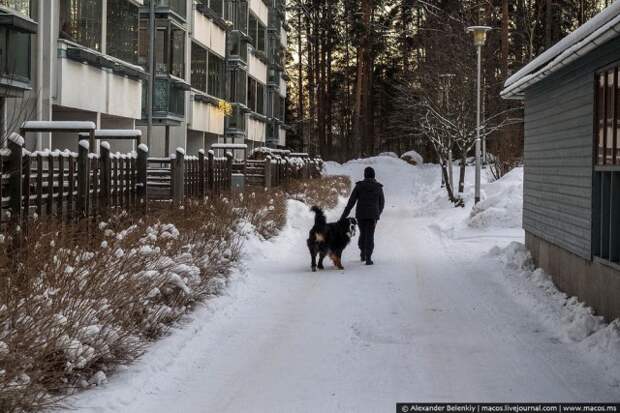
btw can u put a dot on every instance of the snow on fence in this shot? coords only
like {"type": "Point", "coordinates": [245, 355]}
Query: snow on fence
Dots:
{"type": "Point", "coordinates": [69, 186]}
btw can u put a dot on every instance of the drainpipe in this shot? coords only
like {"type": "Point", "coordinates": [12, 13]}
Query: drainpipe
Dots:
{"type": "Point", "coordinates": [149, 128]}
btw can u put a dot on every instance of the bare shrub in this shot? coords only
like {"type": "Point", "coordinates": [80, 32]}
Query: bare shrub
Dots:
{"type": "Point", "coordinates": [323, 192]}
{"type": "Point", "coordinates": [264, 210]}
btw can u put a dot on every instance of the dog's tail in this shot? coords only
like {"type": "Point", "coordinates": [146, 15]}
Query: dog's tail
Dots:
{"type": "Point", "coordinates": [319, 216]}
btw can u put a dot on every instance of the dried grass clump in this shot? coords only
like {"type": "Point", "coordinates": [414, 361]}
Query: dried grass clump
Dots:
{"type": "Point", "coordinates": [323, 192]}
{"type": "Point", "coordinates": [263, 209]}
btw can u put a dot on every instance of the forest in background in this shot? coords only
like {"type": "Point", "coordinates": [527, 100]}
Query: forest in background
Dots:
{"type": "Point", "coordinates": [369, 76]}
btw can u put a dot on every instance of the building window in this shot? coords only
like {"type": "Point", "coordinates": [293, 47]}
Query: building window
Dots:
{"type": "Point", "coordinates": [20, 6]}
{"type": "Point", "coordinates": [216, 79]}
{"type": "Point", "coordinates": [256, 31]}
{"type": "Point", "coordinates": [216, 6]}
{"type": "Point", "coordinates": [80, 22]}
{"type": "Point", "coordinates": [122, 31]}
{"type": "Point", "coordinates": [238, 86]}
{"type": "Point", "coordinates": [260, 98]}
{"type": "Point", "coordinates": [169, 48]}
{"type": "Point", "coordinates": [237, 12]}
{"type": "Point", "coordinates": [252, 94]}
{"type": "Point", "coordinates": [199, 68]}
{"type": "Point", "coordinates": [608, 150]}
{"type": "Point", "coordinates": [606, 191]}
{"type": "Point", "coordinates": [178, 52]}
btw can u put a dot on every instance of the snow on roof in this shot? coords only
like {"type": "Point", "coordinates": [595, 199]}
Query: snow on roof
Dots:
{"type": "Point", "coordinates": [54, 125]}
{"type": "Point", "coordinates": [229, 146]}
{"type": "Point", "coordinates": [115, 133]}
{"type": "Point", "coordinates": [604, 27]}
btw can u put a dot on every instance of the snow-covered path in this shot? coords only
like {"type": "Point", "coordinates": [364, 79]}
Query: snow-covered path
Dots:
{"type": "Point", "coordinates": [431, 321]}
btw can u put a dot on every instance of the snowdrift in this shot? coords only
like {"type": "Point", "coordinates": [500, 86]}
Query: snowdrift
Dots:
{"type": "Point", "coordinates": [573, 320]}
{"type": "Point", "coordinates": [502, 203]}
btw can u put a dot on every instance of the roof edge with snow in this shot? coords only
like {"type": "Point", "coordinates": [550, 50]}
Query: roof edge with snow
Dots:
{"type": "Point", "coordinates": [602, 28]}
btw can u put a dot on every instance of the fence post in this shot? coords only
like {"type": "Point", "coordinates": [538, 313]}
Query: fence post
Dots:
{"type": "Point", "coordinates": [202, 174]}
{"type": "Point", "coordinates": [83, 175]}
{"type": "Point", "coordinates": [15, 144]}
{"type": "Point", "coordinates": [179, 176]}
{"type": "Point", "coordinates": [210, 174]}
{"type": "Point", "coordinates": [142, 165]}
{"type": "Point", "coordinates": [106, 175]}
{"type": "Point", "coordinates": [229, 170]}
{"type": "Point", "coordinates": [268, 170]}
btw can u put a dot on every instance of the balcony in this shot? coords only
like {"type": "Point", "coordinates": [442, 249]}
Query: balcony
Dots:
{"type": "Point", "coordinates": [15, 58]}
{"type": "Point", "coordinates": [168, 100]}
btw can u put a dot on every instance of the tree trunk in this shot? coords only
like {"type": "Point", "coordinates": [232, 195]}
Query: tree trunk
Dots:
{"type": "Point", "coordinates": [462, 174]}
{"type": "Point", "coordinates": [548, 24]}
{"type": "Point", "coordinates": [300, 83]}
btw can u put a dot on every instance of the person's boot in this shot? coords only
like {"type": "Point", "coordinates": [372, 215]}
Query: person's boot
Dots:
{"type": "Point", "coordinates": [369, 261]}
{"type": "Point", "coordinates": [362, 256]}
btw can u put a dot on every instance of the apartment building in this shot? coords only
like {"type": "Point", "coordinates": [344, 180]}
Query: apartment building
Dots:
{"type": "Point", "coordinates": [218, 69]}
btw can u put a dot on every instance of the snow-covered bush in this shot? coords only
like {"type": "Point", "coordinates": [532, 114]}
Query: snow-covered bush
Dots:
{"type": "Point", "coordinates": [389, 154]}
{"type": "Point", "coordinates": [412, 157]}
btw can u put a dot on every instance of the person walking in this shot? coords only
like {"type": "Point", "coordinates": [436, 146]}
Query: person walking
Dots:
{"type": "Point", "coordinates": [368, 195]}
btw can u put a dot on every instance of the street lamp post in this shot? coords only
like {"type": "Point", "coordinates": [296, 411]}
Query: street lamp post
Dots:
{"type": "Point", "coordinates": [480, 37]}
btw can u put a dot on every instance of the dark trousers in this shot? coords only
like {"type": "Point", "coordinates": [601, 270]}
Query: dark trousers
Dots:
{"type": "Point", "coordinates": [366, 241]}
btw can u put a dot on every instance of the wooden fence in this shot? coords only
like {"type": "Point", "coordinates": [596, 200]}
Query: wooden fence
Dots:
{"type": "Point", "coordinates": [69, 186]}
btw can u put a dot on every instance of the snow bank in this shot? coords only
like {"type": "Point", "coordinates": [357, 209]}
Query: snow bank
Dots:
{"type": "Point", "coordinates": [571, 319]}
{"type": "Point", "coordinates": [389, 154]}
{"type": "Point", "coordinates": [502, 203]}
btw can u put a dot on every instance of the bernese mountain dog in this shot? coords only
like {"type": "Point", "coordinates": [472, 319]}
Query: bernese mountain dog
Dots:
{"type": "Point", "coordinates": [329, 239]}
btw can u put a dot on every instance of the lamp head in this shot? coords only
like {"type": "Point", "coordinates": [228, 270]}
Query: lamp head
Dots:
{"type": "Point", "coordinates": [480, 34]}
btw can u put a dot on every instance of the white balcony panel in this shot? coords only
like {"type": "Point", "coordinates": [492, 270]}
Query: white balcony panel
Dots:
{"type": "Point", "coordinates": [216, 120]}
{"type": "Point", "coordinates": [209, 34]}
{"type": "Point", "coordinates": [218, 40]}
{"type": "Point", "coordinates": [282, 87]}
{"type": "Point", "coordinates": [282, 137]}
{"type": "Point", "coordinates": [85, 87]}
{"type": "Point", "coordinates": [207, 118]}
{"type": "Point", "coordinates": [260, 10]}
{"type": "Point", "coordinates": [200, 116]}
{"type": "Point", "coordinates": [283, 37]}
{"type": "Point", "coordinates": [257, 130]}
{"type": "Point", "coordinates": [257, 69]}
{"type": "Point", "coordinates": [124, 97]}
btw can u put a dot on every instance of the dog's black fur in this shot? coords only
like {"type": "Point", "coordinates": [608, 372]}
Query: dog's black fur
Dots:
{"type": "Point", "coordinates": [329, 238]}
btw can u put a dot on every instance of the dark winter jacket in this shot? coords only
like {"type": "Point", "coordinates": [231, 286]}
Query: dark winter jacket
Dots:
{"type": "Point", "coordinates": [368, 194]}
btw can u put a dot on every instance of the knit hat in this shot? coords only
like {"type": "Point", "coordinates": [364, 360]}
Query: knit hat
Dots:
{"type": "Point", "coordinates": [369, 173]}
